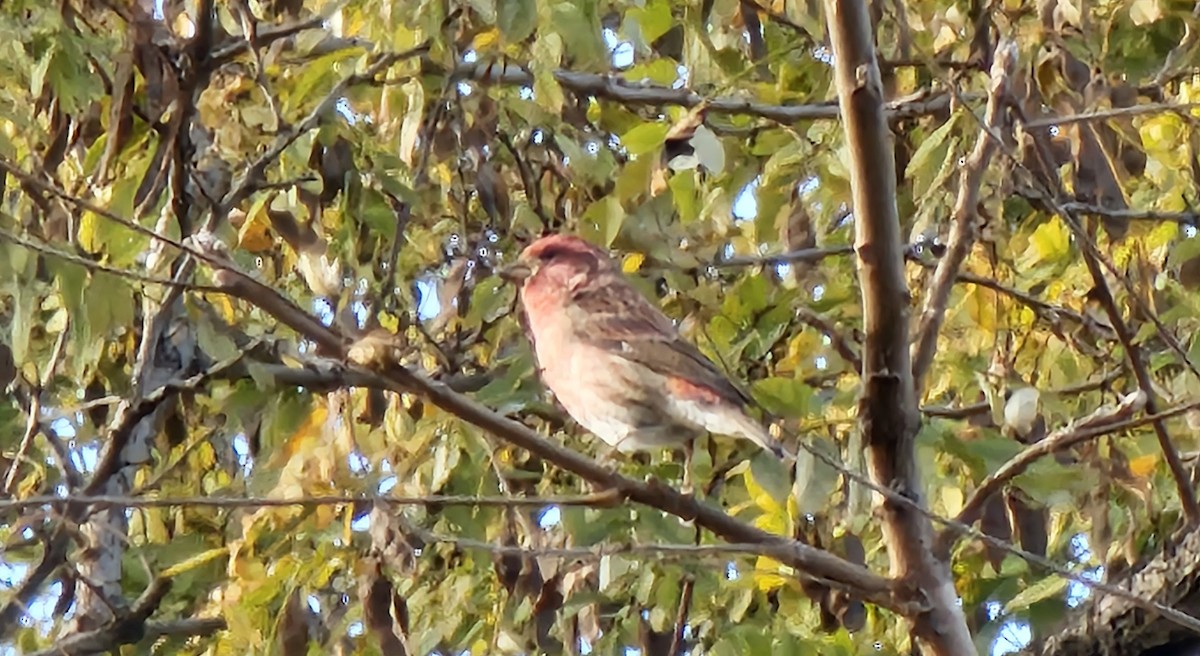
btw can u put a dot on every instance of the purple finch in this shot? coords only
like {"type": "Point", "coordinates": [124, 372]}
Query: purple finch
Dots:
{"type": "Point", "coordinates": [615, 361]}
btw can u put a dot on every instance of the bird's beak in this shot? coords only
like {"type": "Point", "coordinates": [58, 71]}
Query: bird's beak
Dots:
{"type": "Point", "coordinates": [516, 272]}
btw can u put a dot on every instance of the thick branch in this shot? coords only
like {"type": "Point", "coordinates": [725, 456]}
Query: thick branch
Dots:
{"type": "Point", "coordinates": [888, 409]}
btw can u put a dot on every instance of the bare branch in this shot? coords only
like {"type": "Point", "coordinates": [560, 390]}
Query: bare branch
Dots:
{"type": "Point", "coordinates": [1104, 421]}
{"type": "Point", "coordinates": [962, 412]}
{"type": "Point", "coordinates": [963, 227]}
{"type": "Point", "coordinates": [1189, 217]}
{"type": "Point", "coordinates": [617, 89]}
{"type": "Point", "coordinates": [92, 265]}
{"type": "Point", "coordinates": [1095, 262]}
{"type": "Point", "coordinates": [792, 257]}
{"type": "Point", "coordinates": [364, 502]}
{"type": "Point", "coordinates": [108, 638]}
{"type": "Point", "coordinates": [32, 423]}
{"type": "Point", "coordinates": [1119, 112]}
{"type": "Point", "coordinates": [224, 54]}
{"type": "Point", "coordinates": [254, 171]}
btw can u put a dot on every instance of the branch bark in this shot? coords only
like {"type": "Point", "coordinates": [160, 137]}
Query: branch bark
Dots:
{"type": "Point", "coordinates": [888, 412]}
{"type": "Point", "coordinates": [963, 228]}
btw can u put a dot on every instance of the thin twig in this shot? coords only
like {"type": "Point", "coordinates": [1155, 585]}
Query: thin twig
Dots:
{"type": "Point", "coordinates": [1188, 217]}
{"type": "Point", "coordinates": [107, 638]}
{"type": "Point", "coordinates": [404, 212]}
{"type": "Point", "coordinates": [681, 615]}
{"type": "Point", "coordinates": [1119, 112]}
{"type": "Point", "coordinates": [1095, 261]}
{"type": "Point", "coordinates": [842, 344]}
{"type": "Point", "coordinates": [110, 501]}
{"type": "Point", "coordinates": [35, 406]}
{"type": "Point", "coordinates": [92, 265]}
{"type": "Point", "coordinates": [962, 412]}
{"type": "Point", "coordinates": [804, 255]}
{"type": "Point", "coordinates": [223, 54]}
{"type": "Point", "coordinates": [1104, 421]}
{"type": "Point", "coordinates": [256, 169]}
{"type": "Point", "coordinates": [954, 526]}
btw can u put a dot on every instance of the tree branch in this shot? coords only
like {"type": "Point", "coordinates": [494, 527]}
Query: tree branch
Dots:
{"type": "Point", "coordinates": [1094, 261]}
{"type": "Point", "coordinates": [1103, 421]}
{"type": "Point", "coordinates": [617, 89]}
{"type": "Point", "coordinates": [963, 227]}
{"type": "Point", "coordinates": [888, 412]}
{"type": "Point", "coordinates": [803, 558]}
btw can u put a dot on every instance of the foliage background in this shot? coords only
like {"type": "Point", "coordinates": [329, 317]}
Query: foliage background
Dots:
{"type": "Point", "coordinates": [321, 143]}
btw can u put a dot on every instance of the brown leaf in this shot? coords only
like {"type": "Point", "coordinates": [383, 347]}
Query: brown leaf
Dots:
{"type": "Point", "coordinates": [385, 612]}
{"type": "Point", "coordinates": [450, 295]}
{"type": "Point", "coordinates": [850, 612]}
{"type": "Point", "coordinates": [994, 522]}
{"type": "Point", "coordinates": [545, 613]}
{"type": "Point", "coordinates": [293, 626]}
{"type": "Point", "coordinates": [1028, 522]}
{"type": "Point", "coordinates": [120, 116]}
{"type": "Point", "coordinates": [8, 367]}
{"type": "Point", "coordinates": [653, 643]}
{"type": "Point", "coordinates": [1095, 178]}
{"type": "Point", "coordinates": [493, 193]}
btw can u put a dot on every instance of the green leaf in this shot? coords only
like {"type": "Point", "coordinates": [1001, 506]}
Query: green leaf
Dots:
{"type": "Point", "coordinates": [930, 156]}
{"type": "Point", "coordinates": [815, 480]}
{"type": "Point", "coordinates": [1046, 588]}
{"type": "Point", "coordinates": [785, 397]}
{"type": "Point", "coordinates": [602, 221]}
{"type": "Point", "coordinates": [516, 19]}
{"type": "Point", "coordinates": [645, 138]}
{"type": "Point", "coordinates": [654, 19]}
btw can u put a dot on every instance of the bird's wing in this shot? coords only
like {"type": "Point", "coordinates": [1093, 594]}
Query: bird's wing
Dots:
{"type": "Point", "coordinates": [625, 323]}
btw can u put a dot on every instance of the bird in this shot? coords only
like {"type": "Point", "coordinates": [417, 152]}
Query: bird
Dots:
{"type": "Point", "coordinates": [615, 362]}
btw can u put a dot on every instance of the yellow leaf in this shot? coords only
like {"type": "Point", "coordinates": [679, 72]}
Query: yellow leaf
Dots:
{"type": "Point", "coordinates": [311, 428]}
{"type": "Point", "coordinates": [766, 574]}
{"type": "Point", "coordinates": [952, 499]}
{"type": "Point", "coordinates": [1162, 132]}
{"type": "Point", "coordinates": [224, 307]}
{"type": "Point", "coordinates": [1144, 12]}
{"type": "Point", "coordinates": [981, 306]}
{"type": "Point", "coordinates": [486, 39]}
{"type": "Point", "coordinates": [633, 262]}
{"type": "Point", "coordinates": [195, 561]}
{"type": "Point", "coordinates": [760, 496]}
{"type": "Point", "coordinates": [1052, 240]}
{"type": "Point", "coordinates": [255, 233]}
{"type": "Point", "coordinates": [1143, 466]}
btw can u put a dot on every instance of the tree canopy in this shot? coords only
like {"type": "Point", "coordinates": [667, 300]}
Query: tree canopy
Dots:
{"type": "Point", "coordinates": [266, 393]}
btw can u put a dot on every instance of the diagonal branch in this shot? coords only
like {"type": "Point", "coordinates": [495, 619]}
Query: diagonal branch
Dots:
{"type": "Point", "coordinates": [963, 229]}
{"type": "Point", "coordinates": [1093, 259]}
{"type": "Point", "coordinates": [1104, 421]}
{"type": "Point", "coordinates": [255, 170]}
{"type": "Point", "coordinates": [803, 558]}
{"type": "Point", "coordinates": [109, 638]}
